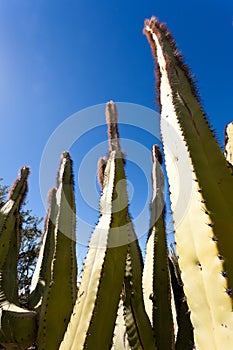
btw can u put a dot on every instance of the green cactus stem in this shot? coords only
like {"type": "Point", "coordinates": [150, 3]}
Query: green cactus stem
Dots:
{"type": "Point", "coordinates": [139, 329]}
{"type": "Point", "coordinates": [135, 323]}
{"type": "Point", "coordinates": [93, 319]}
{"type": "Point", "coordinates": [9, 214]}
{"type": "Point", "coordinates": [120, 338]}
{"type": "Point", "coordinates": [17, 325]}
{"type": "Point", "coordinates": [156, 277]}
{"type": "Point", "coordinates": [42, 274]}
{"type": "Point", "coordinates": [204, 228]}
{"type": "Point", "coordinates": [60, 294]}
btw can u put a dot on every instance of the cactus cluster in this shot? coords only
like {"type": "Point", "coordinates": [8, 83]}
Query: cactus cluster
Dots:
{"type": "Point", "coordinates": [165, 302]}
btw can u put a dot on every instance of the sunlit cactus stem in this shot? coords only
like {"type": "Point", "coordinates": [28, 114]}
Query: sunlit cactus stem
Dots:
{"type": "Point", "coordinates": [93, 320]}
{"type": "Point", "coordinates": [63, 265]}
{"type": "Point", "coordinates": [204, 227]}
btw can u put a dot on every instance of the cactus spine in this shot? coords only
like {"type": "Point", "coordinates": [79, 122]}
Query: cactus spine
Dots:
{"type": "Point", "coordinates": [209, 216]}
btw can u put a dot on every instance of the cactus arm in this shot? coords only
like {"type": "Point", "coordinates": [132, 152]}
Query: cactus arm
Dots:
{"type": "Point", "coordinates": [184, 336]}
{"type": "Point", "coordinates": [17, 325]}
{"type": "Point", "coordinates": [9, 213]}
{"type": "Point", "coordinates": [229, 143]}
{"type": "Point", "coordinates": [120, 339]}
{"type": "Point", "coordinates": [8, 272]}
{"type": "Point", "coordinates": [9, 239]}
{"type": "Point", "coordinates": [42, 273]}
{"type": "Point", "coordinates": [93, 319]}
{"type": "Point", "coordinates": [156, 276]}
{"type": "Point", "coordinates": [209, 216]}
{"type": "Point", "coordinates": [139, 329]}
{"type": "Point", "coordinates": [60, 294]}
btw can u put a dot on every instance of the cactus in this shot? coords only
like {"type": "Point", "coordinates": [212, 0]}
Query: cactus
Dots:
{"type": "Point", "coordinates": [93, 320]}
{"type": "Point", "coordinates": [18, 326]}
{"type": "Point", "coordinates": [168, 302]}
{"type": "Point", "coordinates": [156, 272]}
{"type": "Point", "coordinates": [63, 281]}
{"type": "Point", "coordinates": [55, 274]}
{"type": "Point", "coordinates": [204, 235]}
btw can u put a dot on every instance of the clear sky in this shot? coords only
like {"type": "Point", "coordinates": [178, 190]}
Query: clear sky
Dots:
{"type": "Point", "coordinates": [58, 57]}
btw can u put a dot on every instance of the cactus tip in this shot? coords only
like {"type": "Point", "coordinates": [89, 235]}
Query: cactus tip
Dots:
{"type": "Point", "coordinates": [23, 174]}
{"type": "Point", "coordinates": [112, 121]}
{"type": "Point", "coordinates": [156, 154]}
{"type": "Point", "coordinates": [154, 27]}
{"type": "Point", "coordinates": [65, 155]}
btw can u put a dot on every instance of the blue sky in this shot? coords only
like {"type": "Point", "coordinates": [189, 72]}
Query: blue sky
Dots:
{"type": "Point", "coordinates": [58, 57]}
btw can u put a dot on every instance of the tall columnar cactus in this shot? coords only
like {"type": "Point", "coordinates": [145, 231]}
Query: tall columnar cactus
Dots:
{"type": "Point", "coordinates": [113, 261]}
{"type": "Point", "coordinates": [18, 326]}
{"type": "Point", "coordinates": [93, 319]}
{"type": "Point", "coordinates": [45, 322]}
{"type": "Point", "coordinates": [156, 277]}
{"type": "Point", "coordinates": [121, 303]}
{"type": "Point", "coordinates": [63, 279]}
{"type": "Point", "coordinates": [204, 236]}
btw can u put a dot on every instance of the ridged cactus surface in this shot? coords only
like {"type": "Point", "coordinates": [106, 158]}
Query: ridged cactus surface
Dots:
{"type": "Point", "coordinates": [156, 277]}
{"type": "Point", "coordinates": [204, 233]}
{"type": "Point", "coordinates": [93, 319]}
{"type": "Point", "coordinates": [124, 301]}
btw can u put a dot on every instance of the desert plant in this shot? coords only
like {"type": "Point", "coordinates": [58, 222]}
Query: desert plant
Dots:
{"type": "Point", "coordinates": [204, 236]}
{"type": "Point", "coordinates": [30, 235]}
{"type": "Point", "coordinates": [56, 271]}
{"type": "Point", "coordinates": [168, 302]}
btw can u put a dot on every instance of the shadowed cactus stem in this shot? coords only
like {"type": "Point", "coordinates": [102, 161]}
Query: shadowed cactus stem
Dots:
{"type": "Point", "coordinates": [18, 325]}
{"type": "Point", "coordinates": [156, 277]}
